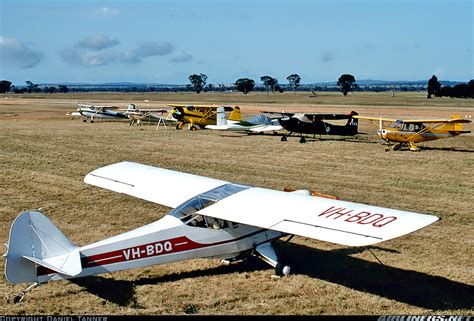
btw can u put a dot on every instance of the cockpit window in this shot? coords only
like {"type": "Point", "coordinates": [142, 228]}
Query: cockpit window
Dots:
{"type": "Point", "coordinates": [186, 211]}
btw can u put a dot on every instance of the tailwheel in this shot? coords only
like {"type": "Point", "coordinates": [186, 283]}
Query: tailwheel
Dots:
{"type": "Point", "coordinates": [302, 140]}
{"type": "Point", "coordinates": [282, 269]}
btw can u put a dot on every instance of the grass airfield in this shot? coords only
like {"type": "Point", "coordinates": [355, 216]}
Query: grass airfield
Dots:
{"type": "Point", "coordinates": [44, 156]}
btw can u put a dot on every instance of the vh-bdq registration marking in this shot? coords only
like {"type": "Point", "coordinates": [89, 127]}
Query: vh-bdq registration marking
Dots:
{"type": "Point", "coordinates": [362, 217]}
{"type": "Point", "coordinates": [147, 250]}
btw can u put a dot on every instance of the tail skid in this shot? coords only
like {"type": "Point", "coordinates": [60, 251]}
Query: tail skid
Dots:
{"type": "Point", "coordinates": [34, 241]}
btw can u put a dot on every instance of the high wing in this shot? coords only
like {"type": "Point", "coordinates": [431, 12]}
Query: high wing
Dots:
{"type": "Point", "coordinates": [375, 118]}
{"type": "Point", "coordinates": [282, 114]}
{"type": "Point", "coordinates": [453, 119]}
{"type": "Point", "coordinates": [226, 108]}
{"type": "Point", "coordinates": [328, 116]}
{"type": "Point", "coordinates": [323, 219]}
{"type": "Point", "coordinates": [157, 185]}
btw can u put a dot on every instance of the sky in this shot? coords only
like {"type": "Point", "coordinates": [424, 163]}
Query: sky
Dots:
{"type": "Point", "coordinates": [144, 41]}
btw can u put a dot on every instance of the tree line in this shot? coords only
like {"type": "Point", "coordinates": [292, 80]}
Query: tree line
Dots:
{"type": "Point", "coordinates": [457, 91]}
{"type": "Point", "coordinates": [345, 83]}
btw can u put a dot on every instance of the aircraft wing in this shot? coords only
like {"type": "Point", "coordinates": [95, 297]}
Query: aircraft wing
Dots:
{"type": "Point", "coordinates": [452, 120]}
{"type": "Point", "coordinates": [157, 185]}
{"type": "Point", "coordinates": [319, 218]}
{"type": "Point", "coordinates": [226, 108]}
{"type": "Point", "coordinates": [282, 114]}
{"type": "Point", "coordinates": [329, 116]}
{"type": "Point", "coordinates": [375, 118]}
{"type": "Point", "coordinates": [418, 121]}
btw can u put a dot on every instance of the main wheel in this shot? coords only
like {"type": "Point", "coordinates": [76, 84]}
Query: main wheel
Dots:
{"type": "Point", "coordinates": [178, 127]}
{"type": "Point", "coordinates": [193, 128]}
{"type": "Point", "coordinates": [282, 270]}
{"type": "Point", "coordinates": [283, 138]}
{"type": "Point", "coordinates": [302, 140]}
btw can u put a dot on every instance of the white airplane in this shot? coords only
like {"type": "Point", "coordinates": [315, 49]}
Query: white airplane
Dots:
{"type": "Point", "coordinates": [92, 112]}
{"type": "Point", "coordinates": [256, 124]}
{"type": "Point", "coordinates": [210, 218]}
{"type": "Point", "coordinates": [154, 115]}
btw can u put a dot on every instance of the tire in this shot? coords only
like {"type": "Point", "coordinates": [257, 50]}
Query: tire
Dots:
{"type": "Point", "coordinates": [283, 138]}
{"type": "Point", "coordinates": [282, 269]}
{"type": "Point", "coordinates": [302, 140]}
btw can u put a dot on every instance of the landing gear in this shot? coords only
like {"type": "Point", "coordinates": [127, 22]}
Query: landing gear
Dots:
{"type": "Point", "coordinates": [266, 252]}
{"type": "Point", "coordinates": [282, 269]}
{"type": "Point", "coordinates": [192, 128]}
{"type": "Point", "coordinates": [179, 126]}
{"type": "Point", "coordinates": [283, 138]}
{"type": "Point", "coordinates": [302, 140]}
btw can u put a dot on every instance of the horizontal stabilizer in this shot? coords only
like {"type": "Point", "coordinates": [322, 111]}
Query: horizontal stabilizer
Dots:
{"type": "Point", "coordinates": [68, 264]}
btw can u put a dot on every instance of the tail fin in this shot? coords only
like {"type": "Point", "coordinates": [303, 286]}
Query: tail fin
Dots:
{"type": "Point", "coordinates": [235, 114]}
{"type": "Point", "coordinates": [33, 241]}
{"type": "Point", "coordinates": [454, 125]}
{"type": "Point", "coordinates": [221, 117]}
{"type": "Point", "coordinates": [353, 123]}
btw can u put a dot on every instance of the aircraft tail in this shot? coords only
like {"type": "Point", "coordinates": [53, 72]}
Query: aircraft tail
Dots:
{"type": "Point", "coordinates": [221, 117]}
{"type": "Point", "coordinates": [235, 114]}
{"type": "Point", "coordinates": [35, 241]}
{"type": "Point", "coordinates": [352, 124]}
{"type": "Point", "coordinates": [454, 126]}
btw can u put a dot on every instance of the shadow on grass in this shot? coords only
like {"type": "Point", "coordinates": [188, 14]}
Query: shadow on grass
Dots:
{"type": "Point", "coordinates": [447, 149]}
{"type": "Point", "coordinates": [122, 292]}
{"type": "Point", "coordinates": [407, 286]}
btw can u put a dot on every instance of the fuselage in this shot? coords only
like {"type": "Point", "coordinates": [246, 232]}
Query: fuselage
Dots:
{"type": "Point", "coordinates": [164, 241]}
{"type": "Point", "coordinates": [406, 136]}
{"type": "Point", "coordinates": [93, 112]}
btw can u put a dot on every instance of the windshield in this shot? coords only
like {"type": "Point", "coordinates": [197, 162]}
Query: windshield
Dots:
{"type": "Point", "coordinates": [197, 203]}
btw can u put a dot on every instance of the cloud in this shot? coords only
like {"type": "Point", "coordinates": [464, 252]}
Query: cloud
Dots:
{"type": "Point", "coordinates": [86, 57]}
{"type": "Point", "coordinates": [19, 54]}
{"type": "Point", "coordinates": [147, 49]}
{"type": "Point", "coordinates": [107, 12]}
{"type": "Point", "coordinates": [182, 57]}
{"type": "Point", "coordinates": [90, 52]}
{"type": "Point", "coordinates": [98, 42]}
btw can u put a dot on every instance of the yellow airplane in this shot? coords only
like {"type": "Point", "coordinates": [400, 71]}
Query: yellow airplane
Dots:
{"type": "Point", "coordinates": [200, 115]}
{"type": "Point", "coordinates": [409, 132]}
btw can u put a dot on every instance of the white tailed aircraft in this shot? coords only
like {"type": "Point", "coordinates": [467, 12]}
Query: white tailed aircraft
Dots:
{"type": "Point", "coordinates": [210, 218]}
{"type": "Point", "coordinates": [102, 112]}
{"type": "Point", "coordinates": [152, 115]}
{"type": "Point", "coordinates": [256, 124]}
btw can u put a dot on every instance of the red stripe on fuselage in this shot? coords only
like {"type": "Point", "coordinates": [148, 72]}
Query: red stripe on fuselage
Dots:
{"type": "Point", "coordinates": [175, 245]}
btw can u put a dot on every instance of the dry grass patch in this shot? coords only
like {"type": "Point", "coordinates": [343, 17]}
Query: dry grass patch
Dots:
{"type": "Point", "coordinates": [44, 157]}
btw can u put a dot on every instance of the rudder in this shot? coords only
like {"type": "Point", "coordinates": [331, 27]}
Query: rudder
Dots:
{"type": "Point", "coordinates": [33, 240]}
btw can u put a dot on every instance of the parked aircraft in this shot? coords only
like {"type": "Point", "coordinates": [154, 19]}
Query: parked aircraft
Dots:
{"type": "Point", "coordinates": [210, 218]}
{"type": "Point", "coordinates": [200, 115]}
{"type": "Point", "coordinates": [92, 112]}
{"type": "Point", "coordinates": [317, 124]}
{"type": "Point", "coordinates": [255, 124]}
{"type": "Point", "coordinates": [408, 132]}
{"type": "Point", "coordinates": [152, 115]}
